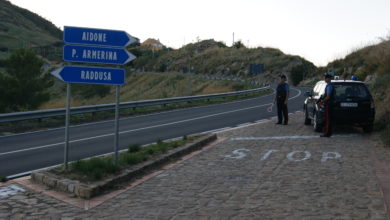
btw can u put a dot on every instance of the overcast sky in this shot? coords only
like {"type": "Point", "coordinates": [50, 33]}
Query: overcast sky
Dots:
{"type": "Point", "coordinates": [318, 30]}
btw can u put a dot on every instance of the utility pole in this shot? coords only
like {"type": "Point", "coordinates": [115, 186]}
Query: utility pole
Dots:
{"type": "Point", "coordinates": [233, 39]}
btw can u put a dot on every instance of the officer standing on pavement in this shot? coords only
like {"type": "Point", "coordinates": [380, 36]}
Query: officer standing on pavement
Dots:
{"type": "Point", "coordinates": [281, 98]}
{"type": "Point", "coordinates": [327, 101]}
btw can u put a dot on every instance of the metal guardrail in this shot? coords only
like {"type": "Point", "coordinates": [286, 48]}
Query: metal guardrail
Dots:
{"type": "Point", "coordinates": [19, 116]}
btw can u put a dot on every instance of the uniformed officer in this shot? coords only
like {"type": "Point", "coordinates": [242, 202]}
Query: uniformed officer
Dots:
{"type": "Point", "coordinates": [281, 98]}
{"type": "Point", "coordinates": [328, 102]}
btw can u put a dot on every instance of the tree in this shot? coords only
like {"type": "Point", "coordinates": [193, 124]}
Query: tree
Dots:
{"type": "Point", "coordinates": [298, 73]}
{"type": "Point", "coordinates": [238, 44]}
{"type": "Point", "coordinates": [23, 86]}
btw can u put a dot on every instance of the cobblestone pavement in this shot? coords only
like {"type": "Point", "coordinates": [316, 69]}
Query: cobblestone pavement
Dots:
{"type": "Point", "coordinates": [250, 175]}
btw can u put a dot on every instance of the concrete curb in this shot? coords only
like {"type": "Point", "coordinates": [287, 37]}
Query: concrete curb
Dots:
{"type": "Point", "coordinates": [87, 191]}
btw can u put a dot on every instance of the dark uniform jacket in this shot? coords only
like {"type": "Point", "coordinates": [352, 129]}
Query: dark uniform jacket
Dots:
{"type": "Point", "coordinates": [281, 92]}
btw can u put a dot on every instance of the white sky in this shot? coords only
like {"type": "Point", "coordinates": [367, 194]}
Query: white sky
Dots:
{"type": "Point", "coordinates": [318, 30]}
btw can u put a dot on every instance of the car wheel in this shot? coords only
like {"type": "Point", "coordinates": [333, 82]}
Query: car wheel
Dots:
{"type": "Point", "coordinates": [368, 128]}
{"type": "Point", "coordinates": [316, 125]}
{"type": "Point", "coordinates": [307, 119]}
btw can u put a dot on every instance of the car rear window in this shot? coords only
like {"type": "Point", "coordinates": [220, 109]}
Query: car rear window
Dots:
{"type": "Point", "coordinates": [352, 90]}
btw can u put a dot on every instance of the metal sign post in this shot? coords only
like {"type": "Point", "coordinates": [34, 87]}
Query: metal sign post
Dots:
{"type": "Point", "coordinates": [67, 118]}
{"type": "Point", "coordinates": [116, 125]}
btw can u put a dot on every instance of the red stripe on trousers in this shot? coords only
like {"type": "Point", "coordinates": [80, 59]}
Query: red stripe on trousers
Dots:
{"type": "Point", "coordinates": [326, 120]}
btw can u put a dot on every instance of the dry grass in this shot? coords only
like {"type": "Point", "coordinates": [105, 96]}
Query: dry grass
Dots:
{"type": "Point", "coordinates": [151, 86]}
{"type": "Point", "coordinates": [206, 57]}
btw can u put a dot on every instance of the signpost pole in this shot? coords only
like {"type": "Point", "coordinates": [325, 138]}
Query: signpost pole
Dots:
{"type": "Point", "coordinates": [116, 124]}
{"type": "Point", "coordinates": [67, 117]}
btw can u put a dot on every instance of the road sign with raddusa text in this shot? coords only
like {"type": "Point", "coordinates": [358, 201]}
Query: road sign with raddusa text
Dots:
{"type": "Point", "coordinates": [90, 75]}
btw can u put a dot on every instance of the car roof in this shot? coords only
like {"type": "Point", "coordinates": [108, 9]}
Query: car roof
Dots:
{"type": "Point", "coordinates": [348, 81]}
{"type": "Point", "coordinates": [342, 81]}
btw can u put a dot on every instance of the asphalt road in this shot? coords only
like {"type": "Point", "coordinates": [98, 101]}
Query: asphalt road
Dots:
{"type": "Point", "coordinates": [29, 151]}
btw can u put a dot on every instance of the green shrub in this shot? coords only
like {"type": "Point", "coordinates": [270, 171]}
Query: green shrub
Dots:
{"type": "Point", "coordinates": [238, 87]}
{"type": "Point", "coordinates": [24, 86]}
{"type": "Point", "coordinates": [361, 74]}
{"type": "Point", "coordinates": [238, 44]}
{"type": "Point", "coordinates": [97, 174]}
{"type": "Point", "coordinates": [174, 145]}
{"type": "Point", "coordinates": [88, 91]}
{"type": "Point", "coordinates": [381, 82]}
{"type": "Point", "coordinates": [3, 178]}
{"type": "Point", "coordinates": [162, 147]}
{"type": "Point", "coordinates": [150, 150]}
{"type": "Point", "coordinates": [95, 168]}
{"type": "Point", "coordinates": [134, 158]}
{"type": "Point", "coordinates": [98, 167]}
{"type": "Point", "coordinates": [134, 148]}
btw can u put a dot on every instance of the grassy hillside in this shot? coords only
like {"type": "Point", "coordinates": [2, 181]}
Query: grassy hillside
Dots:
{"type": "Point", "coordinates": [146, 86]}
{"type": "Point", "coordinates": [215, 58]}
{"type": "Point", "coordinates": [20, 28]}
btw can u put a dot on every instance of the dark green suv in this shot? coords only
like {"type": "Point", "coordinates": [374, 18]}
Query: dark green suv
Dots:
{"type": "Point", "coordinates": [352, 105]}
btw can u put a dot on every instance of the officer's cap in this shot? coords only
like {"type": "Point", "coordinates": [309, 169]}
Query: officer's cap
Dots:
{"type": "Point", "coordinates": [328, 75]}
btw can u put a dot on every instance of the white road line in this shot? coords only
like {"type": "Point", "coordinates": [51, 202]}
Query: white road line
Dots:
{"type": "Point", "coordinates": [138, 116]}
{"type": "Point", "coordinates": [245, 124]}
{"type": "Point", "coordinates": [215, 130]}
{"type": "Point", "coordinates": [145, 128]}
{"type": "Point", "coordinates": [132, 130]}
{"type": "Point", "coordinates": [287, 137]}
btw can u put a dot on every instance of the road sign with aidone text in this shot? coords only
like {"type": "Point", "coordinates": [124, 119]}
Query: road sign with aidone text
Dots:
{"type": "Point", "coordinates": [93, 36]}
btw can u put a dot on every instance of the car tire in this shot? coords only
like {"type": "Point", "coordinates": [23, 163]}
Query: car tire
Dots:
{"type": "Point", "coordinates": [316, 125]}
{"type": "Point", "coordinates": [368, 128]}
{"type": "Point", "coordinates": [307, 119]}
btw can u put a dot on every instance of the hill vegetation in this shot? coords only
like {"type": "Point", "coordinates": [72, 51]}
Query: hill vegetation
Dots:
{"type": "Point", "coordinates": [20, 28]}
{"type": "Point", "coordinates": [144, 86]}
{"type": "Point", "coordinates": [370, 64]}
{"type": "Point", "coordinates": [215, 58]}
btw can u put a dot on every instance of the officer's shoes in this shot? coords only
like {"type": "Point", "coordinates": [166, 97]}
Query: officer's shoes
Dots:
{"type": "Point", "coordinates": [325, 135]}
{"type": "Point", "coordinates": [278, 123]}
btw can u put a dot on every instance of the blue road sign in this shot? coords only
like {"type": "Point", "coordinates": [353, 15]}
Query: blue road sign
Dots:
{"type": "Point", "coordinates": [91, 36]}
{"type": "Point", "coordinates": [90, 75]}
{"type": "Point", "coordinates": [86, 54]}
